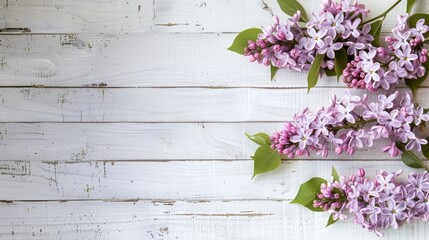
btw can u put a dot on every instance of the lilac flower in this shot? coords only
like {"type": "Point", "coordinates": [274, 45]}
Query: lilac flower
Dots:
{"type": "Point", "coordinates": [416, 143]}
{"type": "Point", "coordinates": [384, 182]}
{"type": "Point", "coordinates": [376, 204]}
{"type": "Point", "coordinates": [315, 38]}
{"type": "Point", "coordinates": [419, 182]}
{"type": "Point", "coordinates": [335, 22]}
{"type": "Point", "coordinates": [350, 123]}
{"type": "Point", "coordinates": [405, 57]}
{"type": "Point", "coordinates": [372, 211]}
{"type": "Point", "coordinates": [400, 72]}
{"type": "Point", "coordinates": [303, 138]}
{"type": "Point", "coordinates": [394, 212]}
{"type": "Point", "coordinates": [329, 47]}
{"type": "Point", "coordinates": [351, 28]}
{"type": "Point", "coordinates": [420, 116]}
{"type": "Point", "coordinates": [420, 29]}
{"type": "Point", "coordinates": [366, 57]}
{"type": "Point", "coordinates": [402, 39]}
{"type": "Point", "coordinates": [316, 20]}
{"type": "Point", "coordinates": [392, 149]}
{"type": "Point", "coordinates": [284, 33]}
{"type": "Point", "coordinates": [387, 102]}
{"type": "Point", "coordinates": [344, 112]}
{"type": "Point", "coordinates": [371, 72]}
{"type": "Point", "coordinates": [365, 36]}
{"type": "Point", "coordinates": [389, 120]}
{"type": "Point", "coordinates": [284, 59]}
{"type": "Point", "coordinates": [423, 203]}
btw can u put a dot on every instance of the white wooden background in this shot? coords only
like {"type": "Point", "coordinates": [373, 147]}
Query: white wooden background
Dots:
{"type": "Point", "coordinates": [126, 119]}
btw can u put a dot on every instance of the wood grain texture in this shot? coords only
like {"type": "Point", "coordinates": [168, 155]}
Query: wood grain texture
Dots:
{"type": "Point", "coordinates": [158, 16]}
{"type": "Point", "coordinates": [140, 141]}
{"type": "Point", "coordinates": [165, 104]}
{"type": "Point", "coordinates": [126, 120]}
{"type": "Point", "coordinates": [136, 60]}
{"type": "Point", "coordinates": [185, 220]}
{"type": "Point", "coordinates": [167, 181]}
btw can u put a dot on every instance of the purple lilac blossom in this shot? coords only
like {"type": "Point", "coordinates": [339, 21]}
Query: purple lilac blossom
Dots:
{"type": "Point", "coordinates": [339, 25]}
{"type": "Point", "coordinates": [289, 45]}
{"type": "Point", "coordinates": [379, 203]}
{"type": "Point", "coordinates": [403, 58]}
{"type": "Point", "coordinates": [351, 123]}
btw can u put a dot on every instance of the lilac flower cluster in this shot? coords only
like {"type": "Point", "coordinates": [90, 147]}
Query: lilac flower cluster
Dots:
{"type": "Point", "coordinates": [294, 47]}
{"type": "Point", "coordinates": [380, 203]}
{"type": "Point", "coordinates": [375, 68]}
{"type": "Point", "coordinates": [351, 122]}
{"type": "Point", "coordinates": [340, 25]}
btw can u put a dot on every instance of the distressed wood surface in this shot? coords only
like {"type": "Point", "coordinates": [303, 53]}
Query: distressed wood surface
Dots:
{"type": "Point", "coordinates": [136, 60]}
{"type": "Point", "coordinates": [167, 181]}
{"type": "Point", "coordinates": [256, 219]}
{"type": "Point", "coordinates": [163, 104]}
{"type": "Point", "coordinates": [126, 120]}
{"type": "Point", "coordinates": [141, 141]}
{"type": "Point", "coordinates": [156, 16]}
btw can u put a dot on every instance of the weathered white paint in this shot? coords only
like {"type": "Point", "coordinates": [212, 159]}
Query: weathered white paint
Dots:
{"type": "Point", "coordinates": [136, 60]}
{"type": "Point", "coordinates": [163, 104]}
{"type": "Point", "coordinates": [158, 16]}
{"type": "Point", "coordinates": [126, 120]}
{"type": "Point", "coordinates": [141, 141]}
{"type": "Point", "coordinates": [168, 180]}
{"type": "Point", "coordinates": [186, 220]}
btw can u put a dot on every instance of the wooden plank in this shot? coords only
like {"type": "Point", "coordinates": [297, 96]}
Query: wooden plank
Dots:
{"type": "Point", "coordinates": [163, 104]}
{"type": "Point", "coordinates": [76, 16]}
{"type": "Point", "coordinates": [158, 16]}
{"type": "Point", "coordinates": [139, 141]}
{"type": "Point", "coordinates": [136, 60]}
{"type": "Point", "coordinates": [180, 220]}
{"type": "Point", "coordinates": [169, 181]}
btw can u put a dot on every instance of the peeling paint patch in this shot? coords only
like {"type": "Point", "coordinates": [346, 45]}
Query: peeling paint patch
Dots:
{"type": "Point", "coordinates": [15, 30]}
{"type": "Point", "coordinates": [15, 168]}
{"type": "Point", "coordinates": [163, 202]}
{"type": "Point", "coordinates": [172, 24]}
{"type": "Point", "coordinates": [224, 214]}
{"type": "Point", "coordinates": [79, 156]}
{"type": "Point", "coordinates": [164, 230]}
{"type": "Point", "coordinates": [72, 40]}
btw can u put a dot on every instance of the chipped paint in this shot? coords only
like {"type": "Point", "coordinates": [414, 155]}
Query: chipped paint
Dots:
{"type": "Point", "coordinates": [172, 24]}
{"type": "Point", "coordinates": [79, 156]}
{"type": "Point", "coordinates": [222, 214]}
{"type": "Point", "coordinates": [163, 202]}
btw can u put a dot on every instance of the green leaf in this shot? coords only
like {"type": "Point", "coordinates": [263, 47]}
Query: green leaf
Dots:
{"type": "Point", "coordinates": [265, 160]}
{"type": "Point", "coordinates": [331, 220]}
{"type": "Point", "coordinates": [313, 74]}
{"type": "Point", "coordinates": [426, 110]}
{"type": "Point", "coordinates": [341, 60]}
{"type": "Point", "coordinates": [330, 72]}
{"type": "Point", "coordinates": [413, 84]}
{"type": "Point", "coordinates": [274, 70]}
{"type": "Point", "coordinates": [290, 7]}
{"type": "Point", "coordinates": [410, 5]}
{"type": "Point", "coordinates": [307, 193]}
{"type": "Point", "coordinates": [260, 138]}
{"type": "Point", "coordinates": [375, 31]}
{"type": "Point", "coordinates": [334, 174]}
{"type": "Point", "coordinates": [425, 149]}
{"type": "Point", "coordinates": [409, 158]}
{"type": "Point", "coordinates": [416, 17]}
{"type": "Point", "coordinates": [240, 42]}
